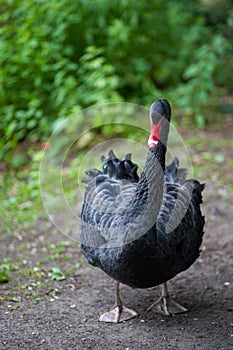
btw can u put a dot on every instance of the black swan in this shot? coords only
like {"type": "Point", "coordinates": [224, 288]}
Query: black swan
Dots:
{"type": "Point", "coordinates": [142, 231]}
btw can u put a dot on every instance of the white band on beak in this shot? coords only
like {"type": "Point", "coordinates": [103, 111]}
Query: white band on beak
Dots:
{"type": "Point", "coordinates": [152, 143]}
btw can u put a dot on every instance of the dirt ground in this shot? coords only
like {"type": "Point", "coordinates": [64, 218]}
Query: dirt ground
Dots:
{"type": "Point", "coordinates": [64, 314]}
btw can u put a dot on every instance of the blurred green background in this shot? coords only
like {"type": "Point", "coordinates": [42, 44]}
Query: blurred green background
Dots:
{"type": "Point", "coordinates": [58, 57]}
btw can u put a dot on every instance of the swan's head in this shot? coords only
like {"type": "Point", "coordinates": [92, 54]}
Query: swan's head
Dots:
{"type": "Point", "coordinates": [160, 114]}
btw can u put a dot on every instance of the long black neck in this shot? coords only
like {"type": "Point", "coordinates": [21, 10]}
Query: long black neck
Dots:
{"type": "Point", "coordinates": [159, 153]}
{"type": "Point", "coordinates": [149, 191]}
{"type": "Point", "coordinates": [148, 196]}
{"type": "Point", "coordinates": [141, 214]}
{"type": "Point", "coordinates": [153, 171]}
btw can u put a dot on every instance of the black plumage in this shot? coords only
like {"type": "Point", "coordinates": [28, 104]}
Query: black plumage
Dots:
{"type": "Point", "coordinates": [142, 231]}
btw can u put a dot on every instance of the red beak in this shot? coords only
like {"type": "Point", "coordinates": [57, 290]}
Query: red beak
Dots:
{"type": "Point", "coordinates": [154, 134]}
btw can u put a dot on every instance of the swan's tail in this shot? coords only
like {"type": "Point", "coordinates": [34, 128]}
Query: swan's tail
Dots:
{"type": "Point", "coordinates": [115, 168]}
{"type": "Point", "coordinates": [174, 174]}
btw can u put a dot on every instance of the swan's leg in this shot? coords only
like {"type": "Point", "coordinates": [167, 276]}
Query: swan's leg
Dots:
{"type": "Point", "coordinates": [165, 305]}
{"type": "Point", "coordinates": [119, 312]}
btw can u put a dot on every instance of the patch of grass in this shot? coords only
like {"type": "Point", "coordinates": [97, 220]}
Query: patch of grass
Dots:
{"type": "Point", "coordinates": [230, 163]}
{"type": "Point", "coordinates": [72, 269]}
{"type": "Point", "coordinates": [58, 251]}
{"type": "Point", "coordinates": [20, 197]}
{"type": "Point", "coordinates": [32, 278]}
{"type": "Point", "coordinates": [6, 266]}
{"type": "Point", "coordinates": [205, 143]}
{"type": "Point", "coordinates": [211, 161]}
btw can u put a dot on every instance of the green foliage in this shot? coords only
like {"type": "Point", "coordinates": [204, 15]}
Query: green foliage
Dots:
{"type": "Point", "coordinates": [41, 80]}
{"type": "Point", "coordinates": [60, 56]}
{"type": "Point", "coordinates": [200, 88]}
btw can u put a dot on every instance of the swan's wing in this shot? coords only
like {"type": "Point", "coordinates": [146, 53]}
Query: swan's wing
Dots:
{"type": "Point", "coordinates": [176, 202]}
{"type": "Point", "coordinates": [103, 210]}
{"type": "Point", "coordinates": [107, 205]}
{"type": "Point", "coordinates": [180, 223]}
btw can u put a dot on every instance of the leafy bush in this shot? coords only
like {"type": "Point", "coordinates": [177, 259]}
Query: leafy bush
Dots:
{"type": "Point", "coordinates": [57, 56]}
{"type": "Point", "coordinates": [41, 80]}
{"type": "Point", "coordinates": [199, 93]}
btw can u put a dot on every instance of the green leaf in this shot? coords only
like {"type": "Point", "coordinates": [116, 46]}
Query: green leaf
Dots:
{"type": "Point", "coordinates": [57, 274]}
{"type": "Point", "coordinates": [4, 277]}
{"type": "Point", "coordinates": [14, 299]}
